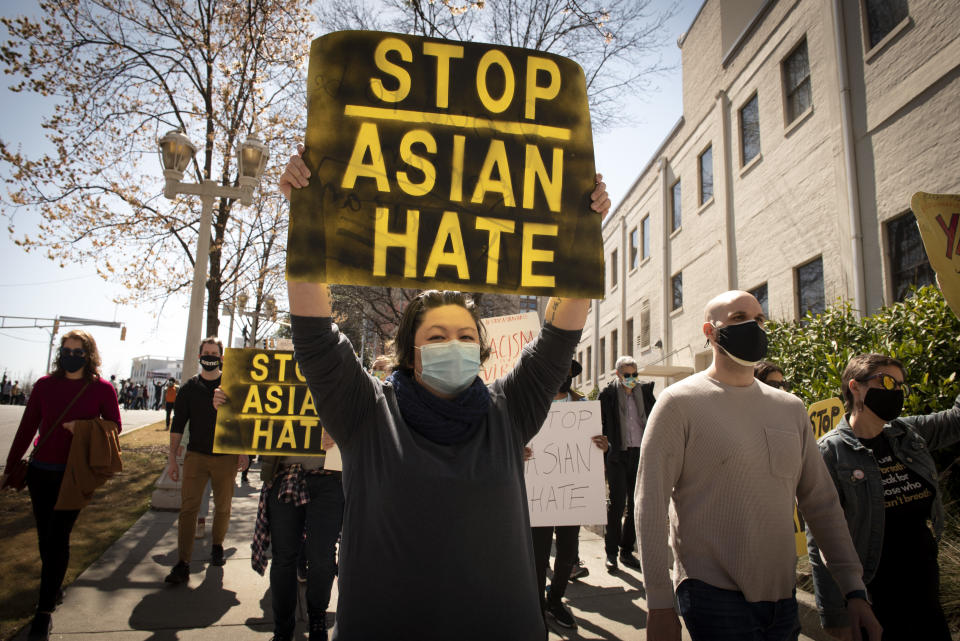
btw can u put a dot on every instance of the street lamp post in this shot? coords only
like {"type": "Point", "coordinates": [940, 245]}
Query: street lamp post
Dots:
{"type": "Point", "coordinates": [176, 151]}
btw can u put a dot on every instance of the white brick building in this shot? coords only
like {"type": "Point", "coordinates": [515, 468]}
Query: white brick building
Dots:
{"type": "Point", "coordinates": [807, 127]}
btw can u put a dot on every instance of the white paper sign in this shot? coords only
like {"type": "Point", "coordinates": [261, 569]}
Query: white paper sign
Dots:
{"type": "Point", "coordinates": [565, 481]}
{"type": "Point", "coordinates": [507, 336]}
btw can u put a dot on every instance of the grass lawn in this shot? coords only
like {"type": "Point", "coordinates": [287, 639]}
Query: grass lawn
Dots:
{"type": "Point", "coordinates": [115, 507]}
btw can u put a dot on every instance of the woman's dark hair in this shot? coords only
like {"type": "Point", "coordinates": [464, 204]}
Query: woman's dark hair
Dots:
{"type": "Point", "coordinates": [763, 369]}
{"type": "Point", "coordinates": [412, 319]}
{"type": "Point", "coordinates": [860, 367]}
{"type": "Point", "coordinates": [91, 370]}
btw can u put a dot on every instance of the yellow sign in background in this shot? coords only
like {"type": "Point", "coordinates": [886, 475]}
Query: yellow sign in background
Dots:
{"type": "Point", "coordinates": [938, 216]}
{"type": "Point", "coordinates": [454, 165]}
{"type": "Point", "coordinates": [269, 408]}
{"type": "Point", "coordinates": [824, 415]}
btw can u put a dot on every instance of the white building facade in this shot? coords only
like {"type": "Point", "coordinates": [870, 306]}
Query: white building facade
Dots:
{"type": "Point", "coordinates": [807, 127]}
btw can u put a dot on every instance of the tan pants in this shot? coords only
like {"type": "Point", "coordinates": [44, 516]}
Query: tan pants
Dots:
{"type": "Point", "coordinates": [197, 468]}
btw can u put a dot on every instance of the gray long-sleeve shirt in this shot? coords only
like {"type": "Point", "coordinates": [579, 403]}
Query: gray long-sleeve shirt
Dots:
{"type": "Point", "coordinates": [436, 538]}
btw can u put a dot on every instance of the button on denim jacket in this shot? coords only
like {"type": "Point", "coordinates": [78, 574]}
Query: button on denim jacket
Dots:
{"type": "Point", "coordinates": [857, 478]}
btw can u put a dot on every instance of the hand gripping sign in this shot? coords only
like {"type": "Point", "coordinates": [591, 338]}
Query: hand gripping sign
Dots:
{"type": "Point", "coordinates": [938, 217]}
{"type": "Point", "coordinates": [269, 410]}
{"type": "Point", "coordinates": [446, 164]}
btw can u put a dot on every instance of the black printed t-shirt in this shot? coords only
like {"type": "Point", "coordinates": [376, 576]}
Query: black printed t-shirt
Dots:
{"type": "Point", "coordinates": [909, 555]}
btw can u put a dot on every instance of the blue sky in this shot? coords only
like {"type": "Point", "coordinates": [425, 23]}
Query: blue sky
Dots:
{"type": "Point", "coordinates": [33, 286]}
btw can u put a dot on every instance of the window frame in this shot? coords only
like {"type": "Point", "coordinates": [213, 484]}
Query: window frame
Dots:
{"type": "Point", "coordinates": [766, 286]}
{"type": "Point", "coordinates": [800, 116]}
{"type": "Point", "coordinates": [628, 337]}
{"type": "Point", "coordinates": [645, 239]}
{"type": "Point", "coordinates": [676, 209]}
{"type": "Point", "coordinates": [871, 51]}
{"type": "Point", "coordinates": [614, 271]}
{"type": "Point", "coordinates": [602, 357]}
{"type": "Point", "coordinates": [704, 203]}
{"type": "Point", "coordinates": [674, 307]}
{"type": "Point", "coordinates": [644, 326]}
{"type": "Point", "coordinates": [891, 271]}
{"type": "Point", "coordinates": [801, 313]}
{"type": "Point", "coordinates": [634, 248]}
{"type": "Point", "coordinates": [744, 162]}
{"type": "Point", "coordinates": [614, 346]}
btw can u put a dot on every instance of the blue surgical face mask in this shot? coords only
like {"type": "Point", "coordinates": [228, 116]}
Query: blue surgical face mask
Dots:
{"type": "Point", "coordinates": [449, 367]}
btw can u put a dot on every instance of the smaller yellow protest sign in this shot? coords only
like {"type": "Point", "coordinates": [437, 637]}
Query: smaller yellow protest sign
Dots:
{"type": "Point", "coordinates": [938, 216]}
{"type": "Point", "coordinates": [269, 410]}
{"type": "Point", "coordinates": [824, 416]}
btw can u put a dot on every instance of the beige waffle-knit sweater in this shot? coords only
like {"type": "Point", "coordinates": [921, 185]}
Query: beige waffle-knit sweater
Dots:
{"type": "Point", "coordinates": [729, 462]}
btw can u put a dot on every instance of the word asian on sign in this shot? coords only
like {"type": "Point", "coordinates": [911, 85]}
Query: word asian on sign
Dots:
{"type": "Point", "coordinates": [269, 409]}
{"type": "Point", "coordinates": [453, 165]}
{"type": "Point", "coordinates": [507, 336]}
{"type": "Point", "coordinates": [938, 216]}
{"type": "Point", "coordinates": [564, 479]}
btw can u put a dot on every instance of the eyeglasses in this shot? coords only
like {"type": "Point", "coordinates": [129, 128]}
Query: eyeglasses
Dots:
{"type": "Point", "coordinates": [888, 382]}
{"type": "Point", "coordinates": [634, 375]}
{"type": "Point", "coordinates": [66, 351]}
{"type": "Point", "coordinates": [786, 386]}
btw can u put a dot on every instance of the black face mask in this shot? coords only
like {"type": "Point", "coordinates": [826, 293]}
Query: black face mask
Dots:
{"type": "Point", "coordinates": [565, 387]}
{"type": "Point", "coordinates": [210, 363]}
{"type": "Point", "coordinates": [745, 343]}
{"type": "Point", "coordinates": [72, 363]}
{"type": "Point", "coordinates": [887, 404]}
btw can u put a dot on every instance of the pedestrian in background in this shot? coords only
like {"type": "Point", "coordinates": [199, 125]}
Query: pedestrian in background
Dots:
{"type": "Point", "coordinates": [73, 392]}
{"type": "Point", "coordinates": [625, 404]}
{"type": "Point", "coordinates": [170, 398]}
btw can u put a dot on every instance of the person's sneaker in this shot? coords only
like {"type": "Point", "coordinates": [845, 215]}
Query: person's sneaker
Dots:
{"type": "Point", "coordinates": [216, 556]}
{"type": "Point", "coordinates": [579, 571]}
{"type": "Point", "coordinates": [179, 574]}
{"type": "Point", "coordinates": [629, 560]}
{"type": "Point", "coordinates": [561, 614]}
{"type": "Point", "coordinates": [40, 627]}
{"type": "Point", "coordinates": [201, 528]}
{"type": "Point", "coordinates": [318, 628]}
{"type": "Point", "coordinates": [611, 563]}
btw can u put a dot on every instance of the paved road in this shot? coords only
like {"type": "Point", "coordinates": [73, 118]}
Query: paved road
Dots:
{"type": "Point", "coordinates": [10, 420]}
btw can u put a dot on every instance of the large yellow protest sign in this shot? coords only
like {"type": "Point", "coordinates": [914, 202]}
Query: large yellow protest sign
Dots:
{"type": "Point", "coordinates": [269, 409]}
{"type": "Point", "coordinates": [446, 164]}
{"type": "Point", "coordinates": [824, 416]}
{"type": "Point", "coordinates": [938, 216]}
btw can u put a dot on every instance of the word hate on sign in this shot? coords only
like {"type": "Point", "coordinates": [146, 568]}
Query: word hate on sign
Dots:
{"type": "Point", "coordinates": [270, 409]}
{"type": "Point", "coordinates": [454, 165]}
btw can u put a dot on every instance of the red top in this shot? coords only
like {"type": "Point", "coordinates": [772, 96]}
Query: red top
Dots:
{"type": "Point", "coordinates": [47, 401]}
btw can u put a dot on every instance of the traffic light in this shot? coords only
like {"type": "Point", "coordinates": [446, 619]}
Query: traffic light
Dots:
{"type": "Point", "coordinates": [56, 326]}
{"type": "Point", "coordinates": [123, 333]}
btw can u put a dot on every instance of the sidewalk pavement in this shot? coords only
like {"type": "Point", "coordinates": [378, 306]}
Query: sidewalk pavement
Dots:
{"type": "Point", "coordinates": [122, 596]}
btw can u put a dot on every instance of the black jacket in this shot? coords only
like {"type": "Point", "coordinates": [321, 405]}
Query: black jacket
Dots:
{"type": "Point", "coordinates": [195, 404]}
{"type": "Point", "coordinates": [610, 413]}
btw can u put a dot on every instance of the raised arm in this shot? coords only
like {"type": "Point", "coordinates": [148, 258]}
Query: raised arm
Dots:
{"type": "Point", "coordinates": [939, 429]}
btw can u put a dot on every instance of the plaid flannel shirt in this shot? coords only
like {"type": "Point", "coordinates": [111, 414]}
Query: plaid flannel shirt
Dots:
{"type": "Point", "coordinates": [292, 483]}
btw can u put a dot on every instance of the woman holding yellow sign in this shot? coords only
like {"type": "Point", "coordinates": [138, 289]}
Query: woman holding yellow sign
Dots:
{"type": "Point", "coordinates": [887, 482]}
{"type": "Point", "coordinates": [436, 538]}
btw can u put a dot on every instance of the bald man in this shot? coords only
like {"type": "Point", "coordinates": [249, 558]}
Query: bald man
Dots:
{"type": "Point", "coordinates": [729, 456]}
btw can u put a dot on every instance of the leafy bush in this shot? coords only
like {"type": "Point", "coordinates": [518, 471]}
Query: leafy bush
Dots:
{"type": "Point", "coordinates": [922, 332]}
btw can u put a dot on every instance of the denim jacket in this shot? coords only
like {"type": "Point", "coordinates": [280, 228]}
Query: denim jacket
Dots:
{"type": "Point", "coordinates": [856, 476]}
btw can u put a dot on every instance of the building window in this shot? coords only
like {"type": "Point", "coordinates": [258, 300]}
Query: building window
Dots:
{"type": "Point", "coordinates": [675, 206]}
{"type": "Point", "coordinates": [644, 338]}
{"type": "Point", "coordinates": [760, 293]}
{"type": "Point", "coordinates": [602, 357]}
{"type": "Point", "coordinates": [706, 175]}
{"type": "Point", "coordinates": [749, 131]}
{"type": "Point", "coordinates": [614, 347]}
{"type": "Point", "coordinates": [580, 360]}
{"type": "Point", "coordinates": [634, 248]}
{"type": "Point", "coordinates": [796, 81]}
{"type": "Point", "coordinates": [613, 269]}
{"type": "Point", "coordinates": [528, 304]}
{"type": "Point", "coordinates": [645, 238]}
{"type": "Point", "coordinates": [589, 364]}
{"type": "Point", "coordinates": [676, 285]}
{"type": "Point", "coordinates": [810, 297]}
{"type": "Point", "coordinates": [628, 344]}
{"type": "Point", "coordinates": [908, 260]}
{"type": "Point", "coordinates": [883, 16]}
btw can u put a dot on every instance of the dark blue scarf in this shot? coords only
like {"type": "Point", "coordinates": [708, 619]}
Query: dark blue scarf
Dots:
{"type": "Point", "coordinates": [447, 422]}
